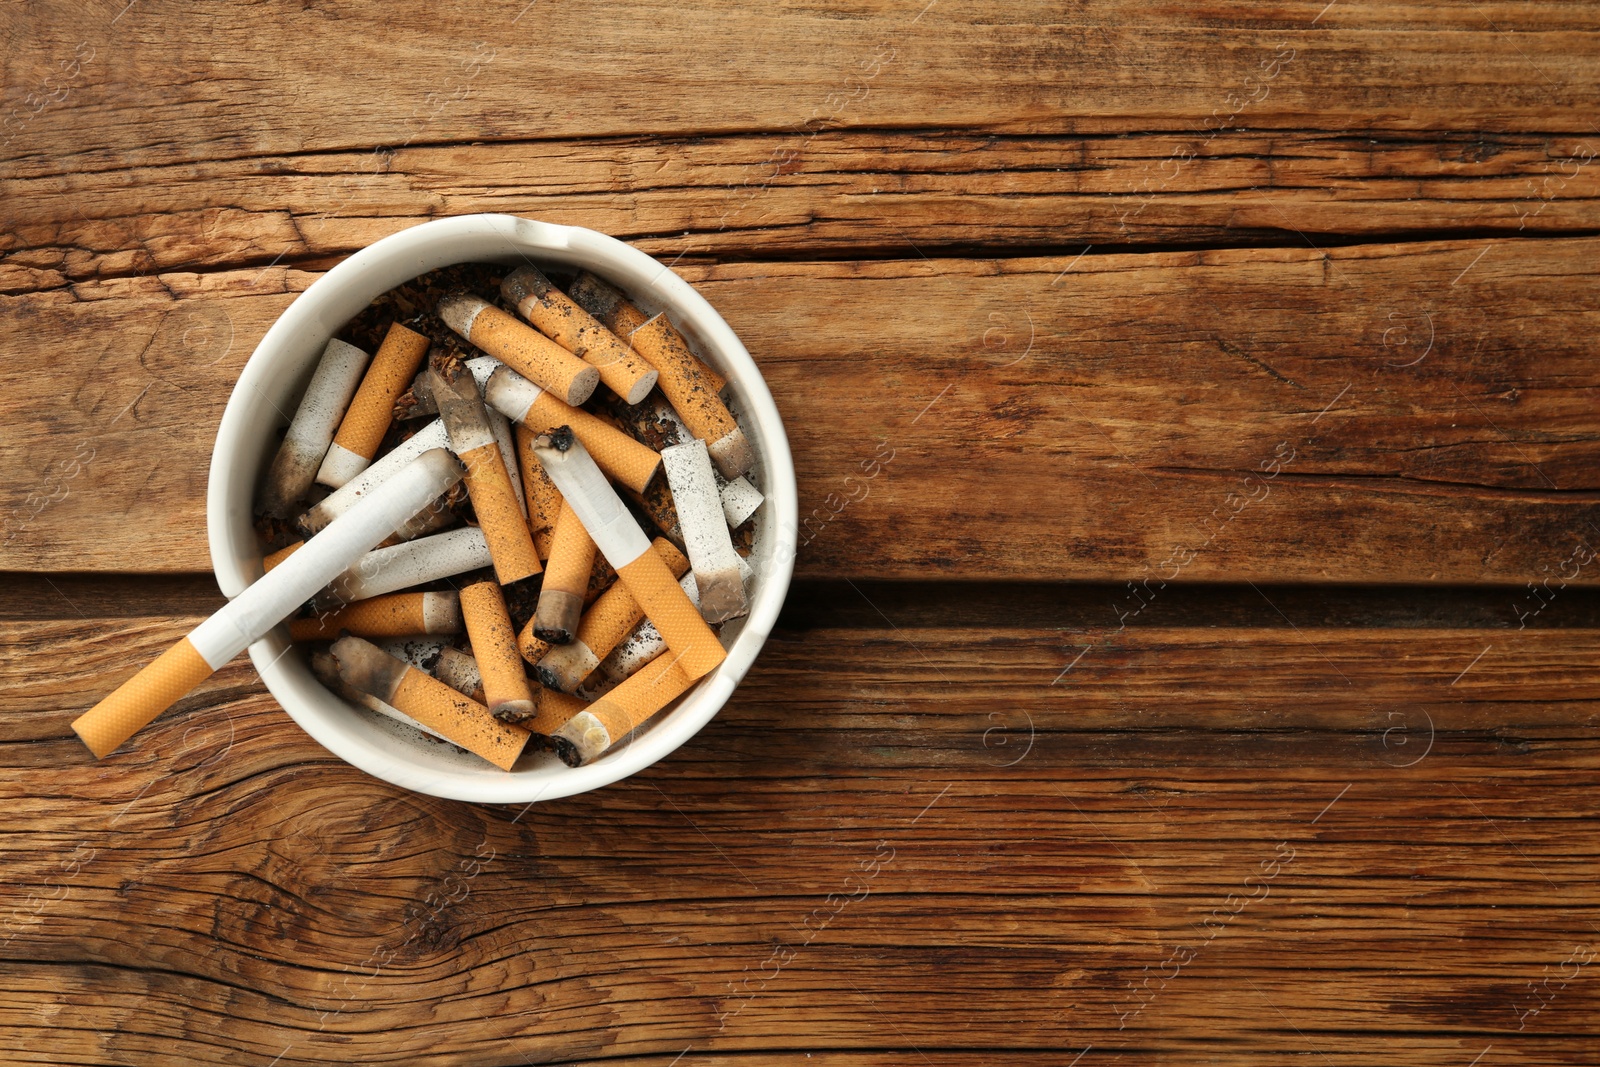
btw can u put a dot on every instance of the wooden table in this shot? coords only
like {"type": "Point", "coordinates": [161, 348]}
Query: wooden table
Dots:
{"type": "Point", "coordinates": [1207, 674]}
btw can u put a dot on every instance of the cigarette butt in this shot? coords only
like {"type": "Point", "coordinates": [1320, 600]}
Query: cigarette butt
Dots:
{"type": "Point", "coordinates": [556, 709]}
{"type": "Point", "coordinates": [460, 672]}
{"type": "Point", "coordinates": [607, 304]}
{"type": "Point", "coordinates": [693, 396]}
{"type": "Point", "coordinates": [499, 511]}
{"type": "Point", "coordinates": [311, 430]}
{"type": "Point", "coordinates": [529, 352]}
{"type": "Point", "coordinates": [457, 718]}
{"type": "Point", "coordinates": [265, 603]}
{"type": "Point", "coordinates": [385, 616]}
{"type": "Point", "coordinates": [372, 409]}
{"type": "Point", "coordinates": [705, 531]}
{"type": "Point", "coordinates": [510, 542]}
{"type": "Point", "coordinates": [566, 579]}
{"type": "Point", "coordinates": [612, 717]}
{"type": "Point", "coordinates": [494, 646]}
{"type": "Point", "coordinates": [134, 703]}
{"type": "Point", "coordinates": [326, 668]}
{"type": "Point", "coordinates": [617, 535]}
{"type": "Point", "coordinates": [608, 620]}
{"type": "Point", "coordinates": [427, 559]}
{"type": "Point", "coordinates": [539, 492]}
{"type": "Point", "coordinates": [343, 498]}
{"type": "Point", "coordinates": [557, 317]}
{"type": "Point", "coordinates": [620, 456]}
{"type": "Point", "coordinates": [272, 559]}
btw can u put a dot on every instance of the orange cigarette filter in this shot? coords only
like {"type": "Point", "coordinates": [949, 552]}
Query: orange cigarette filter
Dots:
{"type": "Point", "coordinates": [621, 457]}
{"type": "Point", "coordinates": [519, 346]}
{"type": "Point", "coordinates": [372, 409]}
{"type": "Point", "coordinates": [607, 304]}
{"type": "Point", "coordinates": [435, 705]}
{"type": "Point", "coordinates": [494, 646]}
{"type": "Point", "coordinates": [394, 615]}
{"type": "Point", "coordinates": [461, 719]}
{"type": "Point", "coordinates": [544, 499]}
{"type": "Point", "coordinates": [272, 559]}
{"type": "Point", "coordinates": [557, 317]}
{"type": "Point", "coordinates": [693, 396]}
{"type": "Point", "coordinates": [616, 714]}
{"type": "Point", "coordinates": [499, 516]}
{"type": "Point", "coordinates": [132, 706]}
{"type": "Point", "coordinates": [654, 586]}
{"type": "Point", "coordinates": [566, 579]}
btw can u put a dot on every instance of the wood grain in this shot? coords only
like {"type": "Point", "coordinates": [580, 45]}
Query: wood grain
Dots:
{"type": "Point", "coordinates": [508, 72]}
{"type": "Point", "coordinates": [225, 885]}
{"type": "Point", "coordinates": [809, 195]}
{"type": "Point", "coordinates": [1071, 418]}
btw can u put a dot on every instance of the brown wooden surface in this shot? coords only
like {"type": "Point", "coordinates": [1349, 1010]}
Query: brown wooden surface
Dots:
{"type": "Point", "coordinates": [1316, 786]}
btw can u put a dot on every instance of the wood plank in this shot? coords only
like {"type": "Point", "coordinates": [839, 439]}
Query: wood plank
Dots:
{"type": "Point", "coordinates": [117, 87]}
{"type": "Point", "coordinates": [1064, 418]}
{"type": "Point", "coordinates": [1213, 835]}
{"type": "Point", "coordinates": [832, 193]}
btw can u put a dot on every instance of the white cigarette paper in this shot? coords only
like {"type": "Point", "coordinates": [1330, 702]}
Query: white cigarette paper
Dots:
{"type": "Point", "coordinates": [460, 672]}
{"type": "Point", "coordinates": [418, 562]}
{"type": "Point", "coordinates": [342, 499]}
{"type": "Point", "coordinates": [615, 531]}
{"type": "Point", "coordinates": [739, 499]}
{"type": "Point", "coordinates": [705, 531]}
{"type": "Point", "coordinates": [276, 595]}
{"type": "Point", "coordinates": [311, 431]}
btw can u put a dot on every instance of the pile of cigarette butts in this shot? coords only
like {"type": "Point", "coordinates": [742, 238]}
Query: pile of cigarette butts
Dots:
{"type": "Point", "coordinates": [621, 622]}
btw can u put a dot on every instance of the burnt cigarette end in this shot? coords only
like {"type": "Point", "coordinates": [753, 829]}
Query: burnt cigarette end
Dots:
{"type": "Point", "coordinates": [514, 711]}
{"type": "Point", "coordinates": [458, 309]}
{"type": "Point", "coordinates": [566, 751]}
{"type": "Point", "coordinates": [366, 667]}
{"type": "Point", "coordinates": [547, 677]}
{"type": "Point", "coordinates": [557, 615]}
{"type": "Point", "coordinates": [560, 439]}
{"type": "Point", "coordinates": [417, 401]}
{"type": "Point", "coordinates": [582, 739]}
{"type": "Point", "coordinates": [523, 283]}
